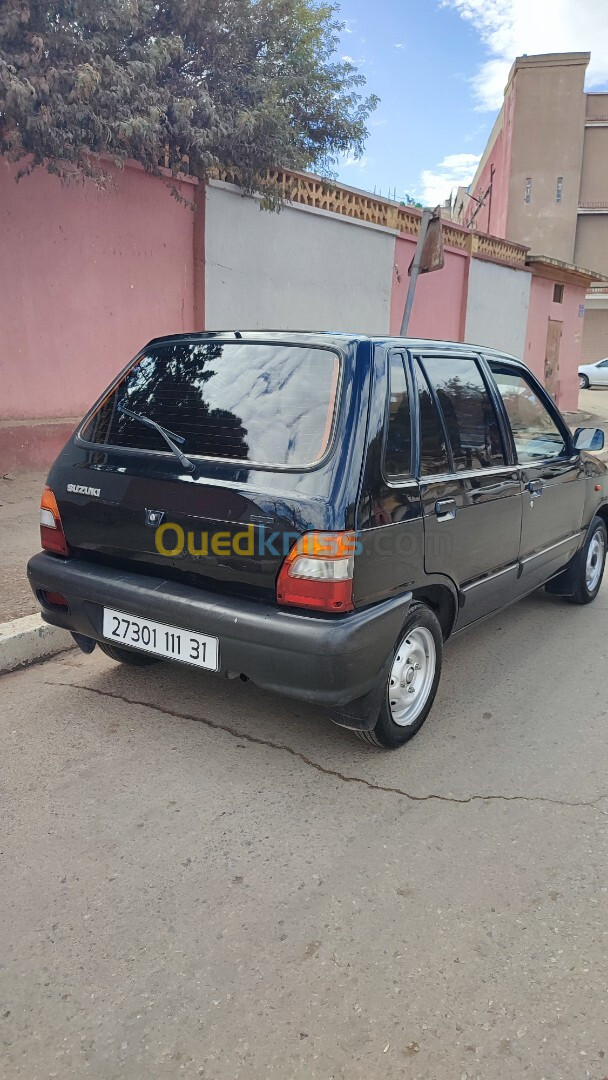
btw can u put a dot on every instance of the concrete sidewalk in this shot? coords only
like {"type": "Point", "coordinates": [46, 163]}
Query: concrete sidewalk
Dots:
{"type": "Point", "coordinates": [24, 637]}
{"type": "Point", "coordinates": [19, 538]}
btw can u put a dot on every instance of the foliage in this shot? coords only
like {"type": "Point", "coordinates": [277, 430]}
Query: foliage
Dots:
{"type": "Point", "coordinates": [242, 85]}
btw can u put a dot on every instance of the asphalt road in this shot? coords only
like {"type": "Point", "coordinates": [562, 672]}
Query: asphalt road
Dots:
{"type": "Point", "coordinates": [202, 880]}
{"type": "Point", "coordinates": [595, 402]}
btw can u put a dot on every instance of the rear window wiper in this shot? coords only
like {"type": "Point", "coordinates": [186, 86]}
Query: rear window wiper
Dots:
{"type": "Point", "coordinates": [170, 437]}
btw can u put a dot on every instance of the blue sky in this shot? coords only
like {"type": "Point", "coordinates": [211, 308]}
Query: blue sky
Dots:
{"type": "Point", "coordinates": [439, 67]}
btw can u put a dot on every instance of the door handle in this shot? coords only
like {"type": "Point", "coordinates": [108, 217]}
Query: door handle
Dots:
{"type": "Point", "coordinates": [535, 487]}
{"type": "Point", "coordinates": [445, 509]}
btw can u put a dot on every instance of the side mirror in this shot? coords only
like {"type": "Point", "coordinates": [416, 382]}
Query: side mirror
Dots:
{"type": "Point", "coordinates": [588, 438]}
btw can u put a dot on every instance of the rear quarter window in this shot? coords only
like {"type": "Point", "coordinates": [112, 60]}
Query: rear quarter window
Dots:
{"type": "Point", "coordinates": [398, 450]}
{"type": "Point", "coordinates": [269, 404]}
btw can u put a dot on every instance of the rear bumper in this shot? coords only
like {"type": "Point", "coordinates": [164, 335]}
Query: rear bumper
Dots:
{"type": "Point", "coordinates": [335, 661]}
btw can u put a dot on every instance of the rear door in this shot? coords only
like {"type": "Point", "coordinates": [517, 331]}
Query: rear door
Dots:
{"type": "Point", "coordinates": [471, 491]}
{"type": "Point", "coordinates": [258, 420]}
{"type": "Point", "coordinates": [552, 475]}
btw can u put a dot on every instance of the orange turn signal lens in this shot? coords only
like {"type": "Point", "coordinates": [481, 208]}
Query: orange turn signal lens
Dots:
{"type": "Point", "coordinates": [52, 536]}
{"type": "Point", "coordinates": [324, 545]}
{"type": "Point", "coordinates": [318, 572]}
{"type": "Point", "coordinates": [49, 502]}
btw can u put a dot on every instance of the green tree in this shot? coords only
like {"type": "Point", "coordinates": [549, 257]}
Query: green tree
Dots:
{"type": "Point", "coordinates": [243, 85]}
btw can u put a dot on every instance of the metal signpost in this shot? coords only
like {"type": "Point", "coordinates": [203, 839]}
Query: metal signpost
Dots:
{"type": "Point", "coordinates": [428, 257]}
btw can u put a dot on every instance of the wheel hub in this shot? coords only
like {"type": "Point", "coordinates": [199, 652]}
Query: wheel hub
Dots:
{"type": "Point", "coordinates": [412, 676]}
{"type": "Point", "coordinates": [595, 561]}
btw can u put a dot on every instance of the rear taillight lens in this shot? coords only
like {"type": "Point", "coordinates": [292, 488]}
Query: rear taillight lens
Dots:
{"type": "Point", "coordinates": [52, 536]}
{"type": "Point", "coordinates": [54, 599]}
{"type": "Point", "coordinates": [318, 572]}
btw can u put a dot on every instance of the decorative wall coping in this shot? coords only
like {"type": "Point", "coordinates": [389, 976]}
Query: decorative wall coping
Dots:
{"type": "Point", "coordinates": [307, 189]}
{"type": "Point", "coordinates": [567, 273]}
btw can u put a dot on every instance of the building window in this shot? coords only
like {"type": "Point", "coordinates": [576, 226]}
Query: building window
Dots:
{"type": "Point", "coordinates": [528, 190]}
{"type": "Point", "coordinates": [559, 189]}
{"type": "Point", "coordinates": [558, 294]}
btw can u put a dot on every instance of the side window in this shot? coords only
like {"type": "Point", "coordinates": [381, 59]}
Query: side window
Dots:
{"type": "Point", "coordinates": [537, 436]}
{"type": "Point", "coordinates": [468, 412]}
{"type": "Point", "coordinates": [433, 451]}
{"type": "Point", "coordinates": [398, 452]}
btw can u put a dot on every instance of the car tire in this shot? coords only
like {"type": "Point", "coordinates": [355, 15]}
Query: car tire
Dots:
{"type": "Point", "coordinates": [591, 564]}
{"type": "Point", "coordinates": [127, 656]}
{"type": "Point", "coordinates": [583, 382]}
{"type": "Point", "coordinates": [415, 670]}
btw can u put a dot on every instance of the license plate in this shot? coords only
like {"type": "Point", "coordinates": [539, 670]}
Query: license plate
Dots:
{"type": "Point", "coordinates": [172, 642]}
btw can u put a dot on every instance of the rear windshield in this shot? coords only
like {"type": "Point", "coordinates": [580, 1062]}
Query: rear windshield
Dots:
{"type": "Point", "coordinates": [268, 404]}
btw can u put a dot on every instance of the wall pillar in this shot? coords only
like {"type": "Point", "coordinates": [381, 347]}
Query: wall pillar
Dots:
{"type": "Point", "coordinates": [198, 254]}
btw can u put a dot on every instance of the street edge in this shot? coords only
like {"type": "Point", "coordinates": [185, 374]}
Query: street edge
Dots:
{"type": "Point", "coordinates": [25, 640]}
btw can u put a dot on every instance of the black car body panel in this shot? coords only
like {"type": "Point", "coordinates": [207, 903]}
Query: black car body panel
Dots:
{"type": "Point", "coordinates": [324, 659]}
{"type": "Point", "coordinates": [468, 533]}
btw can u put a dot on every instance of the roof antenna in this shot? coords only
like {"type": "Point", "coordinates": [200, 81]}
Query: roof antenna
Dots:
{"type": "Point", "coordinates": [237, 334]}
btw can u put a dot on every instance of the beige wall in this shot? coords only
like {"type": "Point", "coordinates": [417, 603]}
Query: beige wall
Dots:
{"type": "Point", "coordinates": [591, 250]}
{"type": "Point", "coordinates": [595, 335]}
{"type": "Point", "coordinates": [594, 178]}
{"type": "Point", "coordinates": [597, 106]}
{"type": "Point", "coordinates": [548, 131]}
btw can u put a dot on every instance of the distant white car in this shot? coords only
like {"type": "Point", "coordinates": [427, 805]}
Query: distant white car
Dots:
{"type": "Point", "coordinates": [590, 375]}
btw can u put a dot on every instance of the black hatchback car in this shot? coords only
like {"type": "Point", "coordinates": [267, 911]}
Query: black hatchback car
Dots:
{"type": "Point", "coordinates": [317, 513]}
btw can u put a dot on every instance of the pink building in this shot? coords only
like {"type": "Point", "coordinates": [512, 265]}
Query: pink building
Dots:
{"type": "Point", "coordinates": [543, 178]}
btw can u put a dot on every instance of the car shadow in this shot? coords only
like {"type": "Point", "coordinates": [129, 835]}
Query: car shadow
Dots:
{"type": "Point", "coordinates": [500, 699]}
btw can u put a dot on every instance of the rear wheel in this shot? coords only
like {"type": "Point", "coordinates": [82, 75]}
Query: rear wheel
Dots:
{"type": "Point", "coordinates": [127, 656]}
{"type": "Point", "coordinates": [412, 681]}
{"type": "Point", "coordinates": [583, 382]}
{"type": "Point", "coordinates": [592, 562]}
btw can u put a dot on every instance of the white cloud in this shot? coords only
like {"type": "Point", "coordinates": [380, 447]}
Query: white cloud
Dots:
{"type": "Point", "coordinates": [455, 170]}
{"type": "Point", "coordinates": [352, 59]}
{"type": "Point", "coordinates": [398, 44]}
{"type": "Point", "coordinates": [349, 26]}
{"type": "Point", "coordinates": [354, 162]}
{"type": "Point", "coordinates": [509, 28]}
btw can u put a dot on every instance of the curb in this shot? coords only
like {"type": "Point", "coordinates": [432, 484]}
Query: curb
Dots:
{"type": "Point", "coordinates": [24, 640]}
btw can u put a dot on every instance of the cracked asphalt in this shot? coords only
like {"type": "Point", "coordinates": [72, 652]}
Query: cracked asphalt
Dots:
{"type": "Point", "coordinates": [200, 879]}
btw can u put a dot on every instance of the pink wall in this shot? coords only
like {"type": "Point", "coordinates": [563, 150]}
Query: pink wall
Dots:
{"type": "Point", "coordinates": [438, 310]}
{"type": "Point", "coordinates": [492, 217]}
{"type": "Point", "coordinates": [540, 311]}
{"type": "Point", "coordinates": [86, 278]}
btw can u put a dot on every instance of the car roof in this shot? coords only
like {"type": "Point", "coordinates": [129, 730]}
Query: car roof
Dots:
{"type": "Point", "coordinates": [338, 339]}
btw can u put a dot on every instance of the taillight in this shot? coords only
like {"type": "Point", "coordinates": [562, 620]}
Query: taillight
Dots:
{"type": "Point", "coordinates": [52, 536]}
{"type": "Point", "coordinates": [318, 572]}
{"type": "Point", "coordinates": [53, 599]}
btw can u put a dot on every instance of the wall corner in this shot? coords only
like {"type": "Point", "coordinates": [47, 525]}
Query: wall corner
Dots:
{"type": "Point", "coordinates": [198, 254]}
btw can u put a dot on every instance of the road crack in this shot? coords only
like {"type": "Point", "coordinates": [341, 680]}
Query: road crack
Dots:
{"type": "Point", "coordinates": [335, 773]}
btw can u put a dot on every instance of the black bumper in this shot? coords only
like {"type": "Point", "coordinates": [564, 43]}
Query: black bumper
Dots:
{"type": "Point", "coordinates": [335, 661]}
